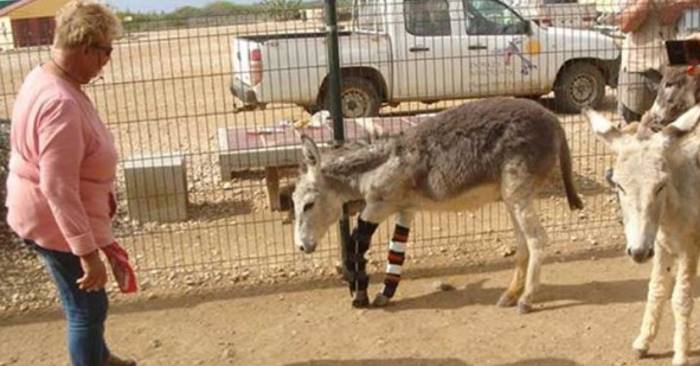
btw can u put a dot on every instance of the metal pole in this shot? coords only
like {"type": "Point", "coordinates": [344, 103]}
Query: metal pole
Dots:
{"type": "Point", "coordinates": [334, 86]}
{"type": "Point", "coordinates": [334, 78]}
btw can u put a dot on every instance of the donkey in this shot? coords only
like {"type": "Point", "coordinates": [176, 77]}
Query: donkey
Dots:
{"type": "Point", "coordinates": [677, 91]}
{"type": "Point", "coordinates": [660, 213]}
{"type": "Point", "coordinates": [479, 152]}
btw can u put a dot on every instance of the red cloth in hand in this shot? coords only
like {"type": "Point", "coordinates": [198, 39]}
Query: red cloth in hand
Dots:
{"type": "Point", "coordinates": [121, 268]}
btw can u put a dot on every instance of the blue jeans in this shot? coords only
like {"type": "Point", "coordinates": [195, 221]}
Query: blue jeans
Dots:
{"type": "Point", "coordinates": [85, 311]}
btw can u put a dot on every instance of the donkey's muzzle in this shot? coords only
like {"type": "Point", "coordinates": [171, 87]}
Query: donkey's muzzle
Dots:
{"type": "Point", "coordinates": [640, 255]}
{"type": "Point", "coordinates": [308, 248]}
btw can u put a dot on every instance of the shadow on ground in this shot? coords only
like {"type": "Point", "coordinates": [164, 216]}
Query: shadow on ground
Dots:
{"type": "Point", "coordinates": [429, 362]}
{"type": "Point", "coordinates": [471, 294]}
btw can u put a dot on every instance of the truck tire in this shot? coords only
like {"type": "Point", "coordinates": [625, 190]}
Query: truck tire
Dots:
{"type": "Point", "coordinates": [358, 98]}
{"type": "Point", "coordinates": [578, 85]}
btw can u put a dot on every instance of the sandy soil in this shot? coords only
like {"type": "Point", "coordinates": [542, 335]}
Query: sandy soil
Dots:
{"type": "Point", "coordinates": [227, 287]}
{"type": "Point", "coordinates": [588, 312]}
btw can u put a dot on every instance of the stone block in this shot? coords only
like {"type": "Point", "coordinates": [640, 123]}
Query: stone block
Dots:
{"type": "Point", "coordinates": [156, 188]}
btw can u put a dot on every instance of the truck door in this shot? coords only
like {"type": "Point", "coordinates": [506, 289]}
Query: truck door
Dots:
{"type": "Point", "coordinates": [498, 55]}
{"type": "Point", "coordinates": [424, 48]}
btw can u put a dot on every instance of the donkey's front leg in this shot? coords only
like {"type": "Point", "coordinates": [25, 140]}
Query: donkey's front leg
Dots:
{"type": "Point", "coordinates": [683, 305]}
{"type": "Point", "coordinates": [660, 285]}
{"type": "Point", "coordinates": [395, 258]}
{"type": "Point", "coordinates": [354, 261]}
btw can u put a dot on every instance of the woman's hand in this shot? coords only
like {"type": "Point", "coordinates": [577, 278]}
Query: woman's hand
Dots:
{"type": "Point", "coordinates": [95, 276]}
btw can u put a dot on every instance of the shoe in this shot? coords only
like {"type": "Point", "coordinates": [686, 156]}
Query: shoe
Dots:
{"type": "Point", "coordinates": [114, 360]}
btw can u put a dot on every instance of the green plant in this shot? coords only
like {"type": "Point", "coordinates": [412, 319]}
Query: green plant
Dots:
{"type": "Point", "coordinates": [283, 9]}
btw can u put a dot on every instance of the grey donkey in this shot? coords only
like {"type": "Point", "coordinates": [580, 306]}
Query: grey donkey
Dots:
{"type": "Point", "coordinates": [479, 152]}
{"type": "Point", "coordinates": [657, 180]}
{"type": "Point", "coordinates": [677, 91]}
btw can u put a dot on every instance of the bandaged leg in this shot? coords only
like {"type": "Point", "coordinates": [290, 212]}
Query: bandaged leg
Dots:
{"type": "Point", "coordinates": [395, 258]}
{"type": "Point", "coordinates": [354, 261]}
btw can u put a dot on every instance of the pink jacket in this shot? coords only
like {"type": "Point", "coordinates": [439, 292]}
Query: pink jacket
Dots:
{"type": "Point", "coordinates": [62, 167]}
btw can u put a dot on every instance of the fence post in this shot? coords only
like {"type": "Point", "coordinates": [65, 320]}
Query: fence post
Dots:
{"type": "Point", "coordinates": [334, 87]}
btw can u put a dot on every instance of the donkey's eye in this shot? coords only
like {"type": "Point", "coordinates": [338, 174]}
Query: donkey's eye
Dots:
{"type": "Point", "coordinates": [660, 188]}
{"type": "Point", "coordinates": [308, 206]}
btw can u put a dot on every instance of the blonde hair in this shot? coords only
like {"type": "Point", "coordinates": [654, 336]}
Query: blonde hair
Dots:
{"type": "Point", "coordinates": [85, 22]}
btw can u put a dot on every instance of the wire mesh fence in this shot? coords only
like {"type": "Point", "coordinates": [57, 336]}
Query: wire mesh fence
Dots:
{"type": "Point", "coordinates": [205, 175]}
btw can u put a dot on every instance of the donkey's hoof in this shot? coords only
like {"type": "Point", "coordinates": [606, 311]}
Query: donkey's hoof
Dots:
{"type": "Point", "coordinates": [360, 303]}
{"type": "Point", "coordinates": [381, 300]}
{"type": "Point", "coordinates": [507, 300]}
{"type": "Point", "coordinates": [681, 361]}
{"type": "Point", "coordinates": [640, 353]}
{"type": "Point", "coordinates": [361, 300]}
{"type": "Point", "coordinates": [524, 308]}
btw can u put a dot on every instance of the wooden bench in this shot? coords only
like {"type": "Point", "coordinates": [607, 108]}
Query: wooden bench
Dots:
{"type": "Point", "coordinates": [276, 148]}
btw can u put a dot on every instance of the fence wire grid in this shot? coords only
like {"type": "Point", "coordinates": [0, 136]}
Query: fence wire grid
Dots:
{"type": "Point", "coordinates": [204, 176]}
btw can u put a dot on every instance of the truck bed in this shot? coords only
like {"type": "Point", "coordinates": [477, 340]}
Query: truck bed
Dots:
{"type": "Point", "coordinates": [261, 38]}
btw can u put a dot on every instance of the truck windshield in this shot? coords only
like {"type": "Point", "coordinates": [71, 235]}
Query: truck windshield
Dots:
{"type": "Point", "coordinates": [368, 15]}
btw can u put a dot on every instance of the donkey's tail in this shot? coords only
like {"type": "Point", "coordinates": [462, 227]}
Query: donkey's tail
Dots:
{"type": "Point", "coordinates": [566, 174]}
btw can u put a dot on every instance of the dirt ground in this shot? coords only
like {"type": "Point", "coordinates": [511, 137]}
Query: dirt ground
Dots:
{"type": "Point", "coordinates": [147, 99]}
{"type": "Point", "coordinates": [588, 313]}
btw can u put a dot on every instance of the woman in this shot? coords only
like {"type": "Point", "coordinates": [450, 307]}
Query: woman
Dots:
{"type": "Point", "coordinates": [62, 170]}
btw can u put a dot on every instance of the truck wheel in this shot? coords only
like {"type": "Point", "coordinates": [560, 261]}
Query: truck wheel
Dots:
{"type": "Point", "coordinates": [579, 85]}
{"type": "Point", "coordinates": [359, 98]}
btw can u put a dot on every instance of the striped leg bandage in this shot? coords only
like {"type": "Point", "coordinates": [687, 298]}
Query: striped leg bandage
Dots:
{"type": "Point", "coordinates": [395, 259]}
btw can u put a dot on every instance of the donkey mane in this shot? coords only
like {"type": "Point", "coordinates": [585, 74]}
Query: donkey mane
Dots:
{"type": "Point", "coordinates": [352, 159]}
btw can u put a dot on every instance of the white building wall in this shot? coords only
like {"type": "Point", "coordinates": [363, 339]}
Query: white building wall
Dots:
{"type": "Point", "coordinates": [6, 38]}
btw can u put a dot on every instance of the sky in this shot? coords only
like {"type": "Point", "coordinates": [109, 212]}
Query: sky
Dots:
{"type": "Point", "coordinates": [163, 5]}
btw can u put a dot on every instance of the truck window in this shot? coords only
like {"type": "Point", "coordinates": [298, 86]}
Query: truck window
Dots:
{"type": "Point", "coordinates": [368, 15]}
{"type": "Point", "coordinates": [427, 17]}
{"type": "Point", "coordinates": [489, 17]}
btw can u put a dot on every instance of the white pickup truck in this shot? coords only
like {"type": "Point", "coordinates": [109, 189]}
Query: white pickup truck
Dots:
{"type": "Point", "coordinates": [427, 50]}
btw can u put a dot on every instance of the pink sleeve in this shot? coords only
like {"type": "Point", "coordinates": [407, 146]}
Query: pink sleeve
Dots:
{"type": "Point", "coordinates": [61, 150]}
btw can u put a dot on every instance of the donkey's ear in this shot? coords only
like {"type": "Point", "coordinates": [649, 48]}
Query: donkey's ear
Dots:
{"type": "Point", "coordinates": [683, 124]}
{"type": "Point", "coordinates": [310, 153]}
{"type": "Point", "coordinates": [602, 126]}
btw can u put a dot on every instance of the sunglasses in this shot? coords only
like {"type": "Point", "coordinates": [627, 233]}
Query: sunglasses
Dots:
{"type": "Point", "coordinates": [106, 49]}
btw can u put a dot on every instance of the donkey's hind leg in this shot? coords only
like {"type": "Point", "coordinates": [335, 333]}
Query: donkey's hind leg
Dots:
{"type": "Point", "coordinates": [535, 238]}
{"type": "Point", "coordinates": [517, 284]}
{"type": "Point", "coordinates": [395, 258]}
{"type": "Point", "coordinates": [518, 186]}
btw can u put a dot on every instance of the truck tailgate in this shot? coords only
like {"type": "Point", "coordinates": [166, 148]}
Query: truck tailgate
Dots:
{"type": "Point", "coordinates": [242, 48]}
